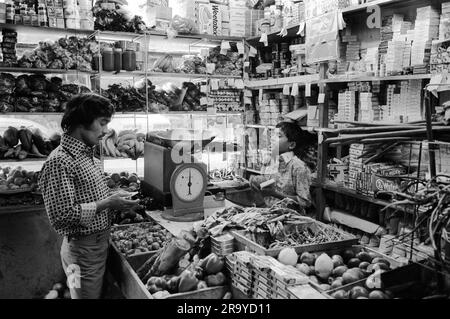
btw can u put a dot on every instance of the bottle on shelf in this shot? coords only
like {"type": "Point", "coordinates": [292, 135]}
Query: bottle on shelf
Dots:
{"type": "Point", "coordinates": [17, 15]}
{"type": "Point", "coordinates": [2, 11]}
{"type": "Point", "coordinates": [10, 11]}
{"type": "Point", "coordinates": [34, 17]}
{"type": "Point", "coordinates": [108, 59]}
{"type": "Point", "coordinates": [118, 59]}
{"type": "Point", "coordinates": [42, 15]}
{"type": "Point", "coordinates": [26, 16]}
{"type": "Point", "coordinates": [129, 60]}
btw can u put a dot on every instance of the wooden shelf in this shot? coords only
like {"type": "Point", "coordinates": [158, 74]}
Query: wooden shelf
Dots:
{"type": "Point", "coordinates": [313, 79]}
{"type": "Point", "coordinates": [19, 209]}
{"type": "Point", "coordinates": [165, 75]}
{"type": "Point", "coordinates": [274, 36]}
{"type": "Point", "coordinates": [270, 127]}
{"type": "Point", "coordinates": [21, 27]}
{"type": "Point", "coordinates": [44, 71]}
{"type": "Point", "coordinates": [364, 6]}
{"type": "Point", "coordinates": [330, 186]}
{"type": "Point", "coordinates": [281, 82]}
{"type": "Point", "coordinates": [381, 79]}
{"type": "Point", "coordinates": [199, 36]}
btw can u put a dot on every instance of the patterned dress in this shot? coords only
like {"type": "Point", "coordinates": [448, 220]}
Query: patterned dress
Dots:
{"type": "Point", "coordinates": [292, 177]}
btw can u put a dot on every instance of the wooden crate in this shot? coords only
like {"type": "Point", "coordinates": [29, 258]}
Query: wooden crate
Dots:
{"type": "Point", "coordinates": [124, 272]}
{"type": "Point", "coordinates": [356, 249]}
{"type": "Point", "coordinates": [244, 243]}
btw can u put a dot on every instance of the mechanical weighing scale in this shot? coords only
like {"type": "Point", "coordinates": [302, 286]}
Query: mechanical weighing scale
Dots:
{"type": "Point", "coordinates": [173, 176]}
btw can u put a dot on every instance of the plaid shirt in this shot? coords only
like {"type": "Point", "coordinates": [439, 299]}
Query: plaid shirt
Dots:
{"type": "Point", "coordinates": [292, 177]}
{"type": "Point", "coordinates": [72, 182]}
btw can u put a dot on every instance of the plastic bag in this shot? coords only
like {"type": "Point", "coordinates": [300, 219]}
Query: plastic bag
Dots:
{"type": "Point", "coordinates": [184, 25]}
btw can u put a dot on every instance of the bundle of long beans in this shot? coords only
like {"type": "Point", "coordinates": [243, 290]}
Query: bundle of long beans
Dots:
{"type": "Point", "coordinates": [434, 196]}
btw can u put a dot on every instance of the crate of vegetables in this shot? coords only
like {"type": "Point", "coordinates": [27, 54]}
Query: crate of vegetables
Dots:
{"type": "Point", "coordinates": [310, 236]}
{"type": "Point", "coordinates": [337, 269]}
{"type": "Point", "coordinates": [135, 239]}
{"type": "Point", "coordinates": [170, 273]}
{"type": "Point", "coordinates": [413, 281]}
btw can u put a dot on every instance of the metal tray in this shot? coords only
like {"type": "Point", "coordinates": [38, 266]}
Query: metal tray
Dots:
{"type": "Point", "coordinates": [170, 138]}
{"type": "Point", "coordinates": [246, 198]}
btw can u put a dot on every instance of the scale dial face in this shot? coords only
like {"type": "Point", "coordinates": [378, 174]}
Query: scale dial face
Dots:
{"type": "Point", "coordinates": [189, 184]}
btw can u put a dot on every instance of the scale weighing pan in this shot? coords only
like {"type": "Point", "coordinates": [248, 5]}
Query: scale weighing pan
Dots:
{"type": "Point", "coordinates": [246, 198]}
{"type": "Point", "coordinates": [170, 138]}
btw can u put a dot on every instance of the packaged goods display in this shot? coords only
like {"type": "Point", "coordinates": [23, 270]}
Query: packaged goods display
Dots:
{"type": "Point", "coordinates": [257, 149]}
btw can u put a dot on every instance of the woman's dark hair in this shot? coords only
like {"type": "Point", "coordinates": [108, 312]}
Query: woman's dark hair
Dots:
{"type": "Point", "coordinates": [303, 140]}
{"type": "Point", "coordinates": [83, 109]}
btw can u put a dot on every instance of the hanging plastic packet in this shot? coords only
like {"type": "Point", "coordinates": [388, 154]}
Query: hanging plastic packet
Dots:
{"type": "Point", "coordinates": [286, 89]}
{"type": "Point", "coordinates": [264, 39]}
{"type": "Point", "coordinates": [294, 89]}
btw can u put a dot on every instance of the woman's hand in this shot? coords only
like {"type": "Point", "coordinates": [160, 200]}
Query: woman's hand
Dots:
{"type": "Point", "coordinates": [270, 191]}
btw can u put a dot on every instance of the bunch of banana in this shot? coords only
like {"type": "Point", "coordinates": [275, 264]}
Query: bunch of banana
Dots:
{"type": "Point", "coordinates": [164, 64]}
{"type": "Point", "coordinates": [131, 144]}
{"type": "Point", "coordinates": [109, 144]}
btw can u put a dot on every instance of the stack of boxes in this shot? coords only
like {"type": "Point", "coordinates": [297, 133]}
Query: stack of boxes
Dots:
{"type": "Point", "coordinates": [9, 41]}
{"type": "Point", "coordinates": [281, 58]}
{"type": "Point", "coordinates": [366, 108]}
{"type": "Point", "coordinates": [444, 24]}
{"type": "Point", "coordinates": [353, 49]}
{"type": "Point", "coordinates": [413, 109]}
{"type": "Point", "coordinates": [404, 106]}
{"type": "Point", "coordinates": [226, 97]}
{"type": "Point", "coordinates": [378, 177]}
{"type": "Point", "coordinates": [238, 22]}
{"type": "Point", "coordinates": [55, 12]}
{"type": "Point", "coordinates": [269, 109]}
{"type": "Point", "coordinates": [371, 60]}
{"type": "Point", "coordinates": [387, 35]}
{"type": "Point", "coordinates": [346, 106]}
{"type": "Point", "coordinates": [263, 277]}
{"type": "Point", "coordinates": [426, 29]}
{"type": "Point", "coordinates": [356, 164]}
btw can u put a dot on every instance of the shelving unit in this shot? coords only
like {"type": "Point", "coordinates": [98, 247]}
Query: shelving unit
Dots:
{"type": "Point", "coordinates": [326, 85]}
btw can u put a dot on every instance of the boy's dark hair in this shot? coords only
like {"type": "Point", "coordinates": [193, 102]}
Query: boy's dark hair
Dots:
{"type": "Point", "coordinates": [295, 134]}
{"type": "Point", "coordinates": [83, 109]}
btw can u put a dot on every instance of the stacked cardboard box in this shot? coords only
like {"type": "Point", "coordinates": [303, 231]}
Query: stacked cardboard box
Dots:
{"type": "Point", "coordinates": [8, 45]}
{"type": "Point", "coordinates": [238, 18]}
{"type": "Point", "coordinates": [346, 106]}
{"type": "Point", "coordinates": [263, 277]}
{"type": "Point", "coordinates": [413, 98]}
{"type": "Point", "coordinates": [444, 25]}
{"type": "Point", "coordinates": [387, 35]}
{"type": "Point", "coordinates": [55, 12]}
{"type": "Point", "coordinates": [426, 28]}
{"type": "Point", "coordinates": [356, 164]}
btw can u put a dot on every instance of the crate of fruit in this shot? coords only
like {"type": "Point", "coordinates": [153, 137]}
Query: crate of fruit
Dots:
{"type": "Point", "coordinates": [311, 236]}
{"type": "Point", "coordinates": [208, 282]}
{"type": "Point", "coordinates": [134, 239]}
{"type": "Point", "coordinates": [336, 269]}
{"type": "Point", "coordinates": [412, 281]}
